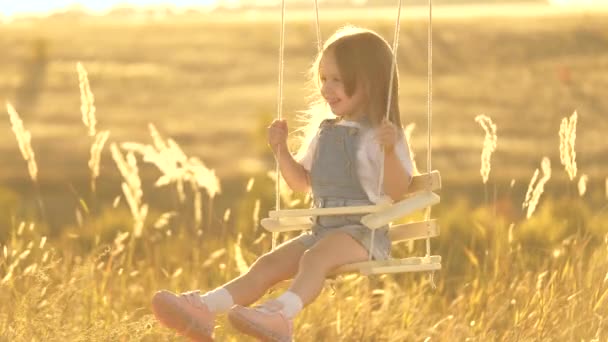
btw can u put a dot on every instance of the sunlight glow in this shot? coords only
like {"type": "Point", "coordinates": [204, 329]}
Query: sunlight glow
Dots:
{"type": "Point", "coordinates": [578, 2]}
{"type": "Point", "coordinates": [42, 6]}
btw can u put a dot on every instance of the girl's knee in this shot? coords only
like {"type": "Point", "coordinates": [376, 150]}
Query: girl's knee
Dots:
{"type": "Point", "coordinates": [314, 258]}
{"type": "Point", "coordinates": [265, 262]}
{"type": "Point", "coordinates": [268, 267]}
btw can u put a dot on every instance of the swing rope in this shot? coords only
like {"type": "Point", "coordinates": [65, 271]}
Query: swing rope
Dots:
{"type": "Point", "coordinates": [429, 148]}
{"type": "Point", "coordinates": [279, 113]}
{"type": "Point", "coordinates": [388, 107]}
{"type": "Point", "coordinates": [318, 28]}
{"type": "Point", "coordinates": [429, 112]}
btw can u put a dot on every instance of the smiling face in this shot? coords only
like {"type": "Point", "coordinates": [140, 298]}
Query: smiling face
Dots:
{"type": "Point", "coordinates": [333, 90]}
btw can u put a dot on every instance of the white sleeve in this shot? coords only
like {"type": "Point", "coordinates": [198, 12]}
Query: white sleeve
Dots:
{"type": "Point", "coordinates": [403, 154]}
{"type": "Point", "coordinates": [370, 158]}
{"type": "Point", "coordinates": [306, 160]}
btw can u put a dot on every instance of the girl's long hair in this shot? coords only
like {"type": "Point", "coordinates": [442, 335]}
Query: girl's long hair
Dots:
{"type": "Point", "coordinates": [364, 59]}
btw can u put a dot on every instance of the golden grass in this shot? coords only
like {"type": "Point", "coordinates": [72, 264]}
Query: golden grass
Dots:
{"type": "Point", "coordinates": [489, 145]}
{"type": "Point", "coordinates": [24, 139]}
{"type": "Point", "coordinates": [536, 189]}
{"type": "Point", "coordinates": [567, 139]}
{"type": "Point", "coordinates": [96, 148]}
{"type": "Point", "coordinates": [131, 187]}
{"type": "Point", "coordinates": [87, 100]}
{"type": "Point", "coordinates": [582, 185]}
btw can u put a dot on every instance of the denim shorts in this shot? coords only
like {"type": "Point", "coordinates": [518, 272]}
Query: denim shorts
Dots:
{"type": "Point", "coordinates": [350, 224]}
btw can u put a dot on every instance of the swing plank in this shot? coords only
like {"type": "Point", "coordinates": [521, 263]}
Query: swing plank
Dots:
{"type": "Point", "coordinates": [424, 182]}
{"type": "Point", "coordinates": [403, 207]}
{"type": "Point", "coordinates": [413, 264]}
{"type": "Point", "coordinates": [413, 231]}
{"type": "Point", "coordinates": [350, 210]}
{"type": "Point", "coordinates": [397, 210]}
{"type": "Point", "coordinates": [275, 225]}
{"type": "Point", "coordinates": [402, 269]}
{"type": "Point", "coordinates": [420, 184]}
{"type": "Point", "coordinates": [396, 233]}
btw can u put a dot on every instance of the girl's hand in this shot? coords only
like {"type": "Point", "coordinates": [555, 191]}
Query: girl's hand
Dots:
{"type": "Point", "coordinates": [387, 135]}
{"type": "Point", "coordinates": [277, 135]}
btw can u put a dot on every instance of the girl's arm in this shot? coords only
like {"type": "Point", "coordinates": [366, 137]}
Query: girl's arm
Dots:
{"type": "Point", "coordinates": [294, 173]}
{"type": "Point", "coordinates": [396, 178]}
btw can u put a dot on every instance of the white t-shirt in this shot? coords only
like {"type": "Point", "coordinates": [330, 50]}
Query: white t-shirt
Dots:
{"type": "Point", "coordinates": [369, 158]}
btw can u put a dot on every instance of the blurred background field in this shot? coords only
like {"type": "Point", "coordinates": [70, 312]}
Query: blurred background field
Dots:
{"type": "Point", "coordinates": [209, 81]}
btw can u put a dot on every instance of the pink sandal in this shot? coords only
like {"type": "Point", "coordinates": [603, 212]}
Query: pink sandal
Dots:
{"type": "Point", "coordinates": [185, 313]}
{"type": "Point", "coordinates": [266, 322]}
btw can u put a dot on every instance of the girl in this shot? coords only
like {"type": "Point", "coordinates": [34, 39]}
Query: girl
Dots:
{"type": "Point", "coordinates": [341, 165]}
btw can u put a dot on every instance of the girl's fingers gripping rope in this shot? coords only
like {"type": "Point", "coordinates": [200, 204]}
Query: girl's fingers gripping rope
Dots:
{"type": "Point", "coordinates": [277, 134]}
{"type": "Point", "coordinates": [387, 135]}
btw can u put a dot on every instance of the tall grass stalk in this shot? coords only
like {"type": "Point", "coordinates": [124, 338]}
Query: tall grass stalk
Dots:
{"type": "Point", "coordinates": [582, 185]}
{"type": "Point", "coordinates": [131, 188]}
{"type": "Point", "coordinates": [94, 162]}
{"type": "Point", "coordinates": [567, 139]}
{"type": "Point", "coordinates": [24, 141]}
{"type": "Point", "coordinates": [179, 169]}
{"type": "Point", "coordinates": [87, 100]}
{"type": "Point", "coordinates": [536, 189]}
{"type": "Point", "coordinates": [489, 146]}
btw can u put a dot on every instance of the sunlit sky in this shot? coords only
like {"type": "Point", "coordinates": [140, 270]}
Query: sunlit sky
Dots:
{"type": "Point", "coordinates": [10, 7]}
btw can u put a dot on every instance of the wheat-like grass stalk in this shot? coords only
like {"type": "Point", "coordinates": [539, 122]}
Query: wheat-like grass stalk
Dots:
{"type": "Point", "coordinates": [24, 140]}
{"type": "Point", "coordinates": [250, 183]}
{"type": "Point", "coordinates": [407, 131]}
{"type": "Point", "coordinates": [567, 138]}
{"type": "Point", "coordinates": [226, 216]}
{"type": "Point", "coordinates": [582, 185]}
{"type": "Point", "coordinates": [536, 190]}
{"type": "Point", "coordinates": [131, 187]}
{"type": "Point", "coordinates": [489, 145]}
{"type": "Point", "coordinates": [256, 213]}
{"type": "Point", "coordinates": [286, 194]}
{"type": "Point", "coordinates": [198, 206]}
{"type": "Point", "coordinates": [100, 140]}
{"type": "Point", "coordinates": [606, 187]}
{"type": "Point", "coordinates": [204, 177]}
{"type": "Point", "coordinates": [241, 264]}
{"type": "Point", "coordinates": [175, 166]}
{"type": "Point", "coordinates": [87, 100]}
{"type": "Point", "coordinates": [164, 219]}
{"type": "Point", "coordinates": [530, 189]}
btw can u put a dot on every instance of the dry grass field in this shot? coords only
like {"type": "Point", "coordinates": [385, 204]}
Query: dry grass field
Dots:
{"type": "Point", "coordinates": [74, 267]}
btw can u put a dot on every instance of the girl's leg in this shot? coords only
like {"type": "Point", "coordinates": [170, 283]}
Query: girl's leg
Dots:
{"type": "Point", "coordinates": [266, 271]}
{"type": "Point", "coordinates": [188, 316]}
{"type": "Point", "coordinates": [274, 319]}
{"type": "Point", "coordinates": [332, 251]}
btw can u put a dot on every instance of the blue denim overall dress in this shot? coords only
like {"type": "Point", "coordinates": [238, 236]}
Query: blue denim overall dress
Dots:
{"type": "Point", "coordinates": [335, 183]}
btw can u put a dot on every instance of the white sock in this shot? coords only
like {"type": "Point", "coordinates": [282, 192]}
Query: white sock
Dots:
{"type": "Point", "coordinates": [292, 304]}
{"type": "Point", "coordinates": [218, 300]}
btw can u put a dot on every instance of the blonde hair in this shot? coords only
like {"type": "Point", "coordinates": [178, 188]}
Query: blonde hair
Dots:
{"type": "Point", "coordinates": [364, 59]}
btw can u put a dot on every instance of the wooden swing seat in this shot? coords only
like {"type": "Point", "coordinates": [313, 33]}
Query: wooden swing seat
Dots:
{"type": "Point", "coordinates": [419, 196]}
